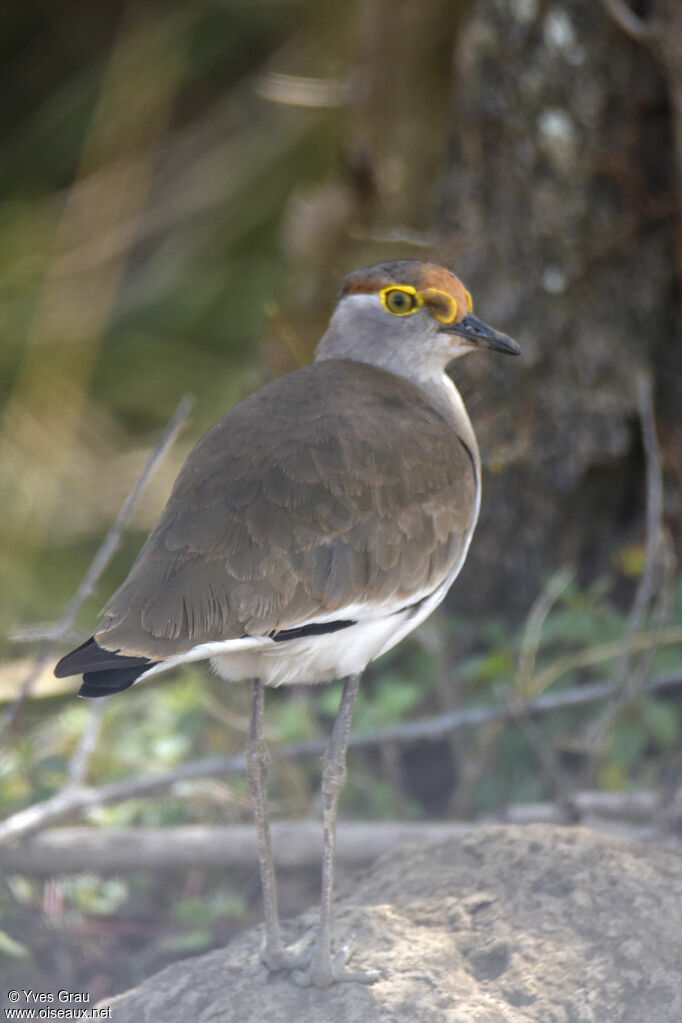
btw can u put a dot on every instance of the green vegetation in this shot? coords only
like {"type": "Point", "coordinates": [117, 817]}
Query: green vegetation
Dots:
{"type": "Point", "coordinates": [172, 223]}
{"type": "Point", "coordinates": [158, 727]}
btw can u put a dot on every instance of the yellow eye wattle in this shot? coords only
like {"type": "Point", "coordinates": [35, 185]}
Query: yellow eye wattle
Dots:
{"type": "Point", "coordinates": [442, 305]}
{"type": "Point", "coordinates": [401, 301]}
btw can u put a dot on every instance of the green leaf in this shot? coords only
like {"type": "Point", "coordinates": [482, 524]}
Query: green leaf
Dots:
{"type": "Point", "coordinates": [396, 697]}
{"type": "Point", "coordinates": [191, 941]}
{"type": "Point", "coordinates": [12, 948]}
{"type": "Point", "coordinates": [293, 721]}
{"type": "Point", "coordinates": [627, 742]}
{"type": "Point", "coordinates": [661, 719]}
{"type": "Point", "coordinates": [327, 701]}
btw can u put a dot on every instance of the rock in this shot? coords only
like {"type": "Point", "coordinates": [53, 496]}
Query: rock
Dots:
{"type": "Point", "coordinates": [506, 924]}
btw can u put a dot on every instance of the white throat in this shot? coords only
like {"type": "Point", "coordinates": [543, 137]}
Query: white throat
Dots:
{"type": "Point", "coordinates": [443, 388]}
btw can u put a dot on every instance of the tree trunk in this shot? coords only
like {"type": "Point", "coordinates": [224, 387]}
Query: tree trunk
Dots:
{"type": "Point", "coordinates": [558, 206]}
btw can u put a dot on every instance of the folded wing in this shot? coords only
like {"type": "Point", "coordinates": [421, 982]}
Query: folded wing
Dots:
{"type": "Point", "coordinates": [339, 486]}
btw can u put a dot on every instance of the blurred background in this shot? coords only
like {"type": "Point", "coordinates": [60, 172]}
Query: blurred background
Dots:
{"type": "Point", "coordinates": [182, 187]}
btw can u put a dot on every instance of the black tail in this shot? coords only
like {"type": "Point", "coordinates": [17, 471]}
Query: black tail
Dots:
{"type": "Point", "coordinates": [104, 671]}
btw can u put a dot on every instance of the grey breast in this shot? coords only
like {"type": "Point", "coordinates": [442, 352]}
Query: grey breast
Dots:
{"type": "Point", "coordinates": [338, 483]}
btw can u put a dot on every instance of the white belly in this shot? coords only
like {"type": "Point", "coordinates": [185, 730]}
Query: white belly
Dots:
{"type": "Point", "coordinates": [320, 658]}
{"type": "Point", "coordinates": [316, 658]}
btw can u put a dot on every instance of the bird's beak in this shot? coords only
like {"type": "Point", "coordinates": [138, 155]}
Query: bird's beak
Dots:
{"type": "Point", "coordinates": [478, 333]}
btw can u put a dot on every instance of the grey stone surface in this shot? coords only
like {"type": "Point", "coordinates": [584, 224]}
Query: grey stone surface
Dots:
{"type": "Point", "coordinates": [507, 924]}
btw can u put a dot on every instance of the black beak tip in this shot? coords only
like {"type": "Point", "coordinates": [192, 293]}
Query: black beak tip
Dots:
{"type": "Point", "coordinates": [478, 333]}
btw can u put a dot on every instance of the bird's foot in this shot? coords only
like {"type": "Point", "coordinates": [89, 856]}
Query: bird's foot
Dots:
{"type": "Point", "coordinates": [324, 969]}
{"type": "Point", "coordinates": [277, 956]}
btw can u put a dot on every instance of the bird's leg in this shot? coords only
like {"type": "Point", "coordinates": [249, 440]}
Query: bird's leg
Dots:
{"type": "Point", "coordinates": [273, 954]}
{"type": "Point", "coordinates": [325, 969]}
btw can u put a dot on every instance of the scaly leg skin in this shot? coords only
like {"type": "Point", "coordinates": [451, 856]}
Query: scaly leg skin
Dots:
{"type": "Point", "coordinates": [325, 969]}
{"type": "Point", "coordinates": [273, 953]}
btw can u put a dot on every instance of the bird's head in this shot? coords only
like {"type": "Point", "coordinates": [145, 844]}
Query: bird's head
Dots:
{"type": "Point", "coordinates": [407, 314]}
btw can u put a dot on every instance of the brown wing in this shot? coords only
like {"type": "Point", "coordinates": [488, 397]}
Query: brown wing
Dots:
{"type": "Point", "coordinates": [336, 483]}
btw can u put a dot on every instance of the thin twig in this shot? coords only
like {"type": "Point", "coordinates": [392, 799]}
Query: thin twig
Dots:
{"type": "Point", "coordinates": [102, 558]}
{"type": "Point", "coordinates": [297, 91]}
{"type": "Point", "coordinates": [545, 677]}
{"type": "Point", "coordinates": [40, 632]}
{"type": "Point", "coordinates": [448, 698]}
{"type": "Point", "coordinates": [527, 661]}
{"type": "Point", "coordinates": [628, 677]}
{"type": "Point", "coordinates": [532, 633]}
{"type": "Point", "coordinates": [670, 636]}
{"type": "Point", "coordinates": [80, 761]}
{"type": "Point", "coordinates": [553, 772]}
{"type": "Point", "coordinates": [631, 24]}
{"type": "Point", "coordinates": [654, 518]}
{"type": "Point", "coordinates": [75, 800]}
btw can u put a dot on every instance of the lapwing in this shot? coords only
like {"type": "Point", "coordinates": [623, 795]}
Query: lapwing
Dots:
{"type": "Point", "coordinates": [309, 531]}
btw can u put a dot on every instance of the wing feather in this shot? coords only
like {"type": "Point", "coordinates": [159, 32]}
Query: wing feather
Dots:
{"type": "Point", "coordinates": [338, 482]}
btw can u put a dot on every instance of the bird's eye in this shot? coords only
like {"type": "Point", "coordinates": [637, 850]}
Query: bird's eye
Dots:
{"type": "Point", "coordinates": [400, 301]}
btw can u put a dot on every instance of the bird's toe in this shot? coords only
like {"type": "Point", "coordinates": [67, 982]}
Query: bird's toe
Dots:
{"type": "Point", "coordinates": [293, 957]}
{"type": "Point", "coordinates": [325, 970]}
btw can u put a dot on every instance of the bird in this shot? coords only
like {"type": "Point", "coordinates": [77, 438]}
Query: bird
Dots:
{"type": "Point", "coordinates": [318, 523]}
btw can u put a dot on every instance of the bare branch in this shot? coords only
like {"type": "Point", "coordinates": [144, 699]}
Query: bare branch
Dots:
{"type": "Point", "coordinates": [296, 844]}
{"type": "Point", "coordinates": [654, 501]}
{"type": "Point", "coordinates": [523, 686]}
{"type": "Point", "coordinates": [672, 635]}
{"type": "Point", "coordinates": [638, 807]}
{"type": "Point", "coordinates": [547, 756]}
{"type": "Point", "coordinates": [631, 24]}
{"type": "Point", "coordinates": [527, 703]}
{"type": "Point", "coordinates": [80, 761]}
{"type": "Point", "coordinates": [296, 91]}
{"type": "Point", "coordinates": [74, 800]}
{"type": "Point", "coordinates": [629, 676]}
{"type": "Point", "coordinates": [99, 563]}
{"type": "Point", "coordinates": [532, 633]}
{"type": "Point", "coordinates": [39, 633]}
